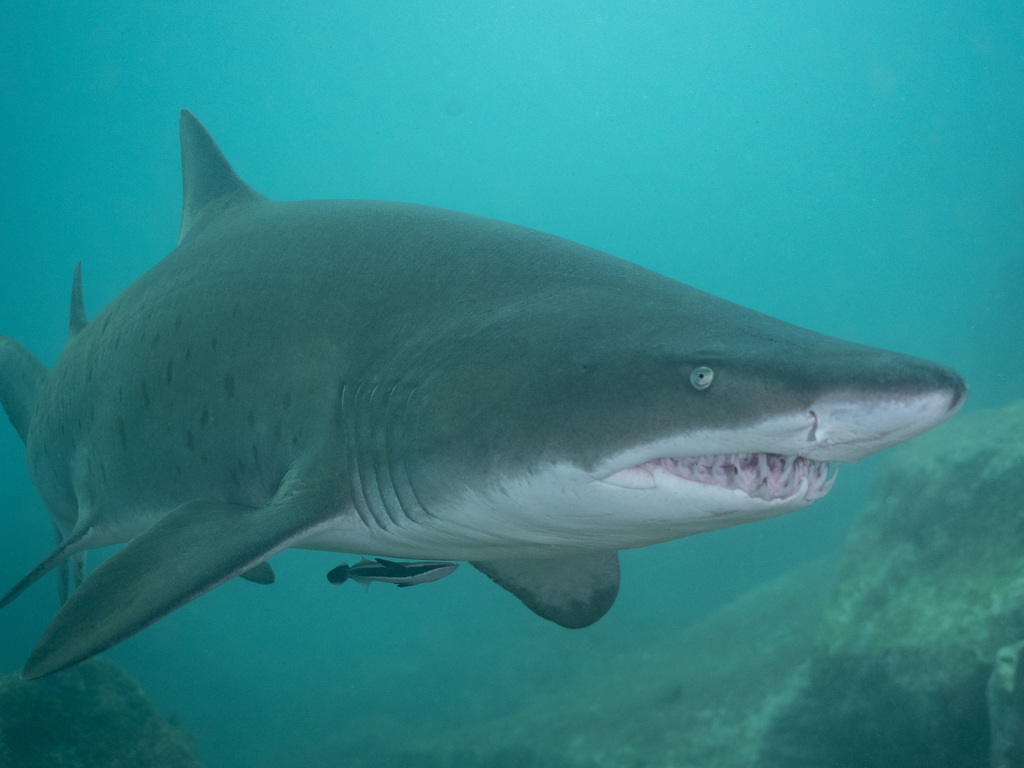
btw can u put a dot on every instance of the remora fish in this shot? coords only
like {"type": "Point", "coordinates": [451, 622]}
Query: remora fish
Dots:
{"type": "Point", "coordinates": [389, 572]}
{"type": "Point", "coordinates": [405, 381]}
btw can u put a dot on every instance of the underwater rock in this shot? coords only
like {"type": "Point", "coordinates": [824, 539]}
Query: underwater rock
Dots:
{"type": "Point", "coordinates": [1005, 697]}
{"type": "Point", "coordinates": [90, 716]}
{"type": "Point", "coordinates": [930, 589]}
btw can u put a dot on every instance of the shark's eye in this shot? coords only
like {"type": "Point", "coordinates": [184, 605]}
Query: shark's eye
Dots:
{"type": "Point", "coordinates": [701, 377]}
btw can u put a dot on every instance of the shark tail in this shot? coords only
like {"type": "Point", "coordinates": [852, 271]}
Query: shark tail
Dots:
{"type": "Point", "coordinates": [21, 376]}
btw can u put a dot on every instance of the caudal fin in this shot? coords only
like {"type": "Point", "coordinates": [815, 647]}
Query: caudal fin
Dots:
{"type": "Point", "coordinates": [21, 375]}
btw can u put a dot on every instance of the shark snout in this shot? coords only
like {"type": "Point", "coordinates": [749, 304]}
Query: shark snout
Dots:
{"type": "Point", "coordinates": [848, 426]}
{"type": "Point", "coordinates": [958, 391]}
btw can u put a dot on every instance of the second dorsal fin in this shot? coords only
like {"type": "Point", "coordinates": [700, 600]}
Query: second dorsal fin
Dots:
{"type": "Point", "coordinates": [210, 186]}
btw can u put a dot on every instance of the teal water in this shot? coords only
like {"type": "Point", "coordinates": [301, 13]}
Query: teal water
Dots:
{"type": "Point", "coordinates": [856, 170]}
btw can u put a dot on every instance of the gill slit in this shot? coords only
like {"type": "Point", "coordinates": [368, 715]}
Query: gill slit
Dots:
{"type": "Point", "coordinates": [364, 456]}
{"type": "Point", "coordinates": [378, 451]}
{"type": "Point", "coordinates": [348, 422]}
{"type": "Point", "coordinates": [404, 491]}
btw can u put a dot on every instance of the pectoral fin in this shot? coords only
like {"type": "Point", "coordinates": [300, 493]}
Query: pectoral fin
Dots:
{"type": "Point", "coordinates": [573, 591]}
{"type": "Point", "coordinates": [191, 550]}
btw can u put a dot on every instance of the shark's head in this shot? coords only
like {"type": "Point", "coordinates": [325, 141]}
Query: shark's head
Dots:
{"type": "Point", "coordinates": [618, 408]}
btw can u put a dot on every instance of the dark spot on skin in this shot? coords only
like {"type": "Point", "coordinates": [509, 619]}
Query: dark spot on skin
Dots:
{"type": "Point", "coordinates": [105, 324]}
{"type": "Point", "coordinates": [177, 322]}
{"type": "Point", "coordinates": [277, 431]}
{"type": "Point", "coordinates": [190, 442]}
{"type": "Point", "coordinates": [229, 385]}
{"type": "Point", "coordinates": [119, 426]}
{"type": "Point", "coordinates": [178, 467]}
{"type": "Point", "coordinates": [170, 370]}
{"type": "Point", "coordinates": [63, 429]}
{"type": "Point", "coordinates": [213, 342]}
{"type": "Point", "coordinates": [205, 418]}
{"type": "Point", "coordinates": [252, 418]}
{"type": "Point", "coordinates": [156, 340]}
{"type": "Point", "coordinates": [287, 400]}
{"type": "Point", "coordinates": [255, 452]}
{"type": "Point", "coordinates": [145, 393]}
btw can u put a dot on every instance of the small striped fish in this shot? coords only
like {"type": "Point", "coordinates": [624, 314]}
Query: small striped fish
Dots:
{"type": "Point", "coordinates": [391, 572]}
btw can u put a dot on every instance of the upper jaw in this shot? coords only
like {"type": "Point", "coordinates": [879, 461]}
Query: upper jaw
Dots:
{"type": "Point", "coordinates": [842, 426]}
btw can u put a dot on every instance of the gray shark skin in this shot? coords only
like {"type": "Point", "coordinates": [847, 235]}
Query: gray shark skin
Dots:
{"type": "Point", "coordinates": [402, 381]}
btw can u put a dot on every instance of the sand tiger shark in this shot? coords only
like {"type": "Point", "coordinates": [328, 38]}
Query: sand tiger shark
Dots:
{"type": "Point", "coordinates": [402, 381]}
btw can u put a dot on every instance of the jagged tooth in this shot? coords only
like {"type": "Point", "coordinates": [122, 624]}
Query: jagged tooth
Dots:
{"type": "Point", "coordinates": [720, 476]}
{"type": "Point", "coordinates": [825, 485]}
{"type": "Point", "coordinates": [829, 482]}
{"type": "Point", "coordinates": [789, 473]}
{"type": "Point", "coordinates": [813, 476]}
{"type": "Point", "coordinates": [752, 479]}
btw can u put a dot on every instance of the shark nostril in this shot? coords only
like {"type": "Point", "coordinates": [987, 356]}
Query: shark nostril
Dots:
{"type": "Point", "coordinates": [811, 436]}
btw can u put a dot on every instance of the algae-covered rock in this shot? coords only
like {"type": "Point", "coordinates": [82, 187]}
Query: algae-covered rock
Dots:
{"type": "Point", "coordinates": [1005, 699]}
{"type": "Point", "coordinates": [931, 587]}
{"type": "Point", "coordinates": [90, 716]}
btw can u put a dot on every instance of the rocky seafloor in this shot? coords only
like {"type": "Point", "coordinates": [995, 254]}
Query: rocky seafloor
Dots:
{"type": "Point", "coordinates": [90, 716]}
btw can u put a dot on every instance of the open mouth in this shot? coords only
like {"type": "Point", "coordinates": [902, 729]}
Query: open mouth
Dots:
{"type": "Point", "coordinates": [766, 476]}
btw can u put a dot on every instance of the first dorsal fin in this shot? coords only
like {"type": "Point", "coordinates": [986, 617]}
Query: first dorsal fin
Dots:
{"type": "Point", "coordinates": [78, 319]}
{"type": "Point", "coordinates": [210, 186]}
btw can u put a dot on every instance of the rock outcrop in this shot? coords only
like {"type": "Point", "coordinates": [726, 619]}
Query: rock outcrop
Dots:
{"type": "Point", "coordinates": [90, 716]}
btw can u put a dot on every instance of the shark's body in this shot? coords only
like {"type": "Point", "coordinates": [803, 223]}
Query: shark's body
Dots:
{"type": "Point", "coordinates": [404, 381]}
